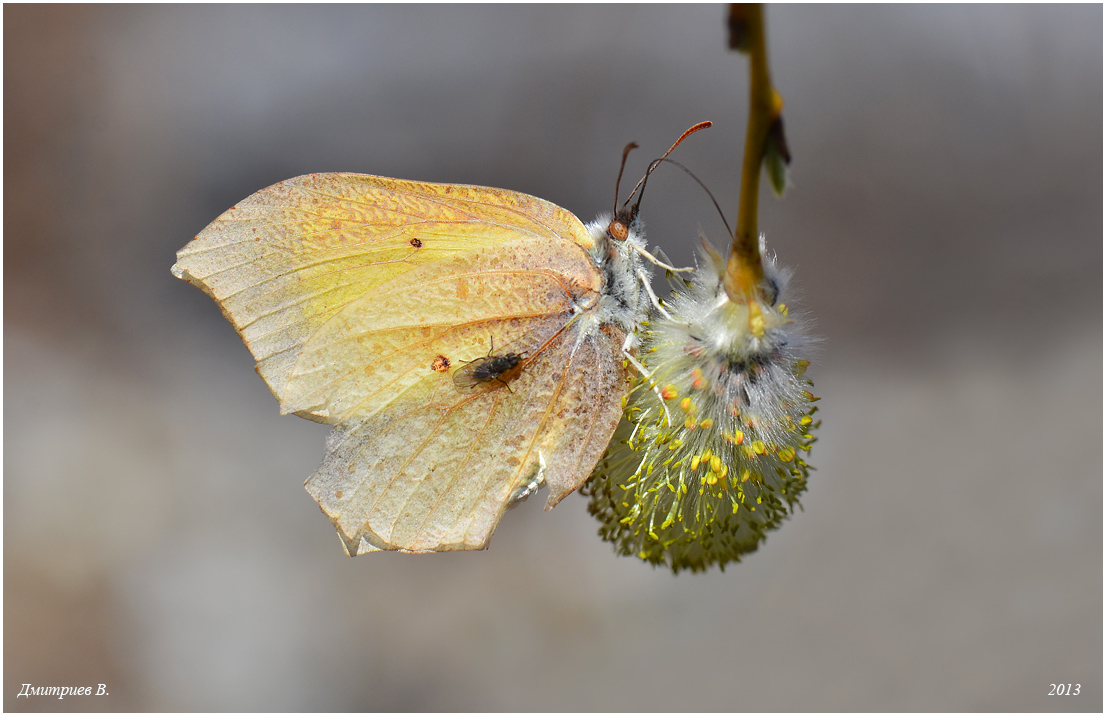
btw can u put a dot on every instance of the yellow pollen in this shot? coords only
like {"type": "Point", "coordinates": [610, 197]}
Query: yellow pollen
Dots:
{"type": "Point", "coordinates": [695, 463]}
{"type": "Point", "coordinates": [668, 392]}
{"type": "Point", "coordinates": [708, 423]}
{"type": "Point", "coordinates": [686, 405]}
{"type": "Point", "coordinates": [690, 423]}
{"type": "Point", "coordinates": [806, 420]}
{"type": "Point", "coordinates": [756, 320]}
{"type": "Point", "coordinates": [716, 463]}
{"type": "Point", "coordinates": [738, 436]}
{"type": "Point", "coordinates": [759, 447]}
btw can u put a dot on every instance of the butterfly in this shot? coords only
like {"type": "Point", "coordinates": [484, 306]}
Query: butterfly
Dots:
{"type": "Point", "coordinates": [357, 293]}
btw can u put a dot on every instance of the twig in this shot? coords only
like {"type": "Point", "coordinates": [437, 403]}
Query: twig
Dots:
{"type": "Point", "coordinates": [744, 271]}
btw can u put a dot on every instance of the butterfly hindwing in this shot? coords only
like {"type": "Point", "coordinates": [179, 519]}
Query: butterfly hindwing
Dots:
{"type": "Point", "coordinates": [436, 468]}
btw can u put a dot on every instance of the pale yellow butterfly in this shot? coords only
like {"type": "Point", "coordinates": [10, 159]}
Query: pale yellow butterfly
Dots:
{"type": "Point", "coordinates": [356, 294]}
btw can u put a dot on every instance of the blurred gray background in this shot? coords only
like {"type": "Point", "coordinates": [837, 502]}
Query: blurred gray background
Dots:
{"type": "Point", "coordinates": [945, 223]}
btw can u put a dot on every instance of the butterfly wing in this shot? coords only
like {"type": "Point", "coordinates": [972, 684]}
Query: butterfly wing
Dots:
{"type": "Point", "coordinates": [292, 257]}
{"type": "Point", "coordinates": [436, 470]}
{"type": "Point", "coordinates": [349, 288]}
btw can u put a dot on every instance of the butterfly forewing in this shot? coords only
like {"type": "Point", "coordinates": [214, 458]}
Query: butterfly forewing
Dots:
{"type": "Point", "coordinates": [286, 260]}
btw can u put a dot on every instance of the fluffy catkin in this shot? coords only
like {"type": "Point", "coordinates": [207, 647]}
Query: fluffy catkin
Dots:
{"type": "Point", "coordinates": [710, 453]}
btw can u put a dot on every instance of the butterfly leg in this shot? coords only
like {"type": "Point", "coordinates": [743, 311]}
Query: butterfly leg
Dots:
{"type": "Point", "coordinates": [657, 262]}
{"type": "Point", "coordinates": [652, 296]}
{"type": "Point", "coordinates": [521, 492]}
{"type": "Point", "coordinates": [645, 373]}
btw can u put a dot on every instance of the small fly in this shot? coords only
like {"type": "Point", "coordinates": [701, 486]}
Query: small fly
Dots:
{"type": "Point", "coordinates": [487, 369]}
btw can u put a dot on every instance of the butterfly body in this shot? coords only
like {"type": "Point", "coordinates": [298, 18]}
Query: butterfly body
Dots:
{"type": "Point", "coordinates": [356, 293]}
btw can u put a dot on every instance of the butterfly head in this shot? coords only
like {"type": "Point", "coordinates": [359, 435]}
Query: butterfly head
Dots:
{"type": "Point", "coordinates": [618, 229]}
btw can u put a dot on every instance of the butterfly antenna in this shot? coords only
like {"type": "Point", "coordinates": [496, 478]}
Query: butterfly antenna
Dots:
{"type": "Point", "coordinates": [625, 153]}
{"type": "Point", "coordinates": [700, 183]}
{"type": "Point", "coordinates": [653, 165]}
